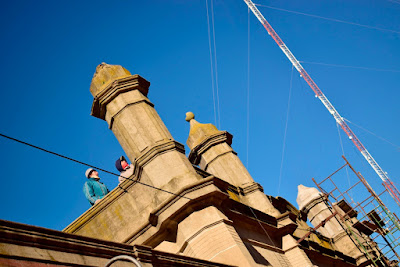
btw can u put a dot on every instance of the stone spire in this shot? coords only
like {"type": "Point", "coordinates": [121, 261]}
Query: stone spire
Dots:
{"type": "Point", "coordinates": [121, 100]}
{"type": "Point", "coordinates": [199, 132]}
{"type": "Point", "coordinates": [211, 150]}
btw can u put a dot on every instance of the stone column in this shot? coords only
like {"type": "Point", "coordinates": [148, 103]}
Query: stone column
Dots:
{"type": "Point", "coordinates": [312, 202]}
{"type": "Point", "coordinates": [121, 100]}
{"type": "Point", "coordinates": [211, 150]}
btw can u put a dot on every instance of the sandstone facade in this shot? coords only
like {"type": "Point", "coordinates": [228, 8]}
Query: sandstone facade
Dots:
{"type": "Point", "coordinates": [206, 211]}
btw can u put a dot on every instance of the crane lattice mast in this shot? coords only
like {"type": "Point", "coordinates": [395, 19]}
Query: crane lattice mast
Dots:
{"type": "Point", "coordinates": [389, 185]}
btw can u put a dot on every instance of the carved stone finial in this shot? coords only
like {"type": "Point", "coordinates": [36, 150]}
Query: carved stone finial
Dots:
{"type": "Point", "coordinates": [306, 195]}
{"type": "Point", "coordinates": [105, 74]}
{"type": "Point", "coordinates": [199, 131]}
{"type": "Point", "coordinates": [189, 116]}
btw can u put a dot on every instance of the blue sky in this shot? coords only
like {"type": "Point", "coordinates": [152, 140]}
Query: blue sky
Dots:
{"type": "Point", "coordinates": [50, 50]}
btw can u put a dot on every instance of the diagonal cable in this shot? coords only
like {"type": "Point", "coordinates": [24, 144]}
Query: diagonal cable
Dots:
{"type": "Point", "coordinates": [347, 171]}
{"type": "Point", "coordinates": [330, 19]}
{"type": "Point", "coordinates": [284, 136]}
{"type": "Point", "coordinates": [88, 165]}
{"type": "Point", "coordinates": [347, 66]}
{"type": "Point", "coordinates": [383, 139]}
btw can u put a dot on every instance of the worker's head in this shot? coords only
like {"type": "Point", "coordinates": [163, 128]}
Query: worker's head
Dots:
{"type": "Point", "coordinates": [121, 164]}
{"type": "Point", "coordinates": [91, 173]}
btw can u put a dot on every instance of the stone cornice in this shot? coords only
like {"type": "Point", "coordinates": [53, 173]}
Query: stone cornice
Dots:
{"type": "Point", "coordinates": [33, 236]}
{"type": "Point", "coordinates": [197, 151]}
{"type": "Point", "coordinates": [149, 153]}
{"type": "Point", "coordinates": [159, 258]}
{"type": "Point", "coordinates": [22, 239]}
{"type": "Point", "coordinates": [336, 258]}
{"type": "Point", "coordinates": [111, 91]}
{"type": "Point", "coordinates": [264, 245]}
{"type": "Point", "coordinates": [201, 172]}
{"type": "Point", "coordinates": [184, 197]}
{"type": "Point", "coordinates": [312, 204]}
{"type": "Point", "coordinates": [208, 192]}
{"type": "Point", "coordinates": [251, 188]}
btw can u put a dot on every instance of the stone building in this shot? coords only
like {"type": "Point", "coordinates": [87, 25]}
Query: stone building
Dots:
{"type": "Point", "coordinates": [206, 211]}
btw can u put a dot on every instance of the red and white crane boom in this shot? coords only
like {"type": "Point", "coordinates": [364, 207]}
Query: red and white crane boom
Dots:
{"type": "Point", "coordinates": [389, 185]}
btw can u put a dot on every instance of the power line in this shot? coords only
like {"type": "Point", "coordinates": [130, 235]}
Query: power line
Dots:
{"type": "Point", "coordinates": [88, 165]}
{"type": "Point", "coordinates": [103, 170]}
{"type": "Point", "coordinates": [394, 1]}
{"type": "Point", "coordinates": [265, 231]}
{"type": "Point", "coordinates": [248, 89]}
{"type": "Point", "coordinates": [284, 136]}
{"type": "Point", "coordinates": [347, 66]}
{"type": "Point", "coordinates": [330, 19]}
{"type": "Point", "coordinates": [216, 64]}
{"type": "Point", "coordinates": [341, 145]}
{"type": "Point", "coordinates": [211, 63]}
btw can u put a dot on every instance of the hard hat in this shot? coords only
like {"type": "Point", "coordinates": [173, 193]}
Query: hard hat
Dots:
{"type": "Point", "coordinates": [88, 171]}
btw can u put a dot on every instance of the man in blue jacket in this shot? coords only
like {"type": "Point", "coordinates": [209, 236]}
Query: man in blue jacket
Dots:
{"type": "Point", "coordinates": [93, 189]}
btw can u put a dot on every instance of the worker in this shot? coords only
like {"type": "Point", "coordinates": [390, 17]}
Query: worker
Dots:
{"type": "Point", "coordinates": [125, 169]}
{"type": "Point", "coordinates": [93, 189]}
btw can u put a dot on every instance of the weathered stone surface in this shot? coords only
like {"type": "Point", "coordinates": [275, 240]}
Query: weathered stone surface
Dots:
{"type": "Point", "coordinates": [210, 148]}
{"type": "Point", "coordinates": [306, 194]}
{"type": "Point", "coordinates": [330, 224]}
{"type": "Point", "coordinates": [25, 245]}
{"type": "Point", "coordinates": [170, 213]}
{"type": "Point", "coordinates": [104, 75]}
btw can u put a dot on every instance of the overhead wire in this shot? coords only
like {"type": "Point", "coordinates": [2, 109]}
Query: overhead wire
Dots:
{"type": "Point", "coordinates": [347, 66]}
{"type": "Point", "coordinates": [394, 1]}
{"type": "Point", "coordinates": [286, 127]}
{"type": "Point", "coordinates": [100, 169]}
{"type": "Point", "coordinates": [248, 120]}
{"type": "Point", "coordinates": [86, 164]}
{"type": "Point", "coordinates": [103, 170]}
{"type": "Point", "coordinates": [211, 63]}
{"type": "Point", "coordinates": [248, 89]}
{"type": "Point", "coordinates": [347, 171]}
{"type": "Point", "coordinates": [330, 19]}
{"type": "Point", "coordinates": [216, 64]}
{"type": "Point", "coordinates": [383, 139]}
{"type": "Point", "coordinates": [265, 231]}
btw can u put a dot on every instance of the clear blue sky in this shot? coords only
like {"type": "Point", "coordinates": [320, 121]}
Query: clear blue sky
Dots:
{"type": "Point", "coordinates": [50, 49]}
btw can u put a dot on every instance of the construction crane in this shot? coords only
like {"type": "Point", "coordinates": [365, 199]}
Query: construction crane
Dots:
{"type": "Point", "coordinates": [388, 184]}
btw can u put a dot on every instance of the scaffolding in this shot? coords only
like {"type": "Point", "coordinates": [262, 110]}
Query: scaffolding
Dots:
{"type": "Point", "coordinates": [362, 213]}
